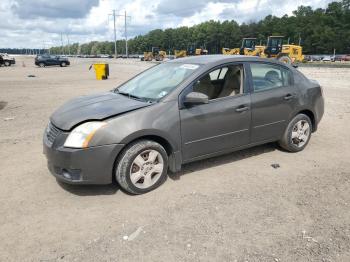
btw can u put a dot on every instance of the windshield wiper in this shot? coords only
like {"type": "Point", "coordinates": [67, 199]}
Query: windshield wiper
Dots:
{"type": "Point", "coordinates": [129, 95]}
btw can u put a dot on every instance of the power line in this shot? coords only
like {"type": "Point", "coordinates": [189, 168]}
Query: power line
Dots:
{"type": "Point", "coordinates": [125, 32]}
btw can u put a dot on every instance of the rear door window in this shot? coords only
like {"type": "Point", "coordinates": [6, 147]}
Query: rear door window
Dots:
{"type": "Point", "coordinates": [268, 76]}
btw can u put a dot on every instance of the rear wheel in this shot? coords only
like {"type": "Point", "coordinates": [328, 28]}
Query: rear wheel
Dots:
{"type": "Point", "coordinates": [63, 64]}
{"type": "Point", "coordinates": [7, 63]}
{"type": "Point", "coordinates": [285, 59]}
{"type": "Point", "coordinates": [142, 167]}
{"type": "Point", "coordinates": [298, 134]}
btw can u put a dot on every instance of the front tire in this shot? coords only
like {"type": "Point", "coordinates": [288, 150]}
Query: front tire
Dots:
{"type": "Point", "coordinates": [298, 134]}
{"type": "Point", "coordinates": [41, 64]}
{"type": "Point", "coordinates": [7, 63]}
{"type": "Point", "coordinates": [142, 167]}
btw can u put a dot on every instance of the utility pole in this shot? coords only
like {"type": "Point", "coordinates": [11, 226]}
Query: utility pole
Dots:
{"type": "Point", "coordinates": [125, 32]}
{"type": "Point", "coordinates": [62, 44]}
{"type": "Point", "coordinates": [115, 36]}
{"type": "Point", "coordinates": [115, 33]}
{"type": "Point", "coordinates": [68, 44]}
{"type": "Point", "coordinates": [126, 36]}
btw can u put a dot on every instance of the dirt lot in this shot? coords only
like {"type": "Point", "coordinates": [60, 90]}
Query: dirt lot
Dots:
{"type": "Point", "coordinates": [230, 208]}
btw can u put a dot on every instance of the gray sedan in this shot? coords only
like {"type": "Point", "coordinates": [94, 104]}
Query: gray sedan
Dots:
{"type": "Point", "coordinates": [178, 112]}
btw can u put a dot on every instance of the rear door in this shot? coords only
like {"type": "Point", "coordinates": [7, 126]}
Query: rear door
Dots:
{"type": "Point", "coordinates": [273, 97]}
{"type": "Point", "coordinates": [53, 60]}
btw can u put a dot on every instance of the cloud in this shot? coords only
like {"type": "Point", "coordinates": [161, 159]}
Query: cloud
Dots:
{"type": "Point", "coordinates": [27, 9]}
{"type": "Point", "coordinates": [183, 8]}
{"type": "Point", "coordinates": [29, 23]}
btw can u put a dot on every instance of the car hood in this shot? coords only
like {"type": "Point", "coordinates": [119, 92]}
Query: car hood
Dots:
{"type": "Point", "coordinates": [93, 107]}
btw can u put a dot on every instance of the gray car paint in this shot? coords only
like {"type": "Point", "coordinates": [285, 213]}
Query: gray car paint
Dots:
{"type": "Point", "coordinates": [93, 107]}
{"type": "Point", "coordinates": [190, 133]}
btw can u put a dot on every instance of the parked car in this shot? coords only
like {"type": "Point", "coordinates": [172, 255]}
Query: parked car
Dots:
{"type": "Point", "coordinates": [347, 58]}
{"type": "Point", "coordinates": [6, 60]}
{"type": "Point", "coordinates": [105, 56]}
{"type": "Point", "coordinates": [307, 58]}
{"type": "Point", "coordinates": [327, 58]}
{"type": "Point", "coordinates": [50, 60]}
{"type": "Point", "coordinates": [177, 112]}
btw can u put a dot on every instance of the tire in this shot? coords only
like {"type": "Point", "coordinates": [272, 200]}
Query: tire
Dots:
{"type": "Point", "coordinates": [63, 64]}
{"type": "Point", "coordinates": [134, 170]}
{"type": "Point", "coordinates": [42, 64]}
{"type": "Point", "coordinates": [296, 137]}
{"type": "Point", "coordinates": [285, 59]}
{"type": "Point", "coordinates": [7, 63]}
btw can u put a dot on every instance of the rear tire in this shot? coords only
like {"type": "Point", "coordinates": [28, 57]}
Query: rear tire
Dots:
{"type": "Point", "coordinates": [285, 59]}
{"type": "Point", "coordinates": [63, 64]}
{"type": "Point", "coordinates": [142, 167]}
{"type": "Point", "coordinates": [7, 63]}
{"type": "Point", "coordinates": [297, 134]}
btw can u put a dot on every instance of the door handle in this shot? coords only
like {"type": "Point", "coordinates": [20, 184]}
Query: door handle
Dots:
{"type": "Point", "coordinates": [289, 96]}
{"type": "Point", "coordinates": [242, 109]}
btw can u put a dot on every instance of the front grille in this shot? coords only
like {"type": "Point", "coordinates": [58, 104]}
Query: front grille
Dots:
{"type": "Point", "coordinates": [51, 133]}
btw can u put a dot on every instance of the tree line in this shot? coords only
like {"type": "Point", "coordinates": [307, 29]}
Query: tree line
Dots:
{"type": "Point", "coordinates": [319, 31]}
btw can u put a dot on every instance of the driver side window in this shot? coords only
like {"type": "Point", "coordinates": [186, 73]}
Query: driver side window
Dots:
{"type": "Point", "coordinates": [222, 82]}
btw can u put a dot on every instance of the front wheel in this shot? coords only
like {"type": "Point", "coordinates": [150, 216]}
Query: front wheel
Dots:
{"type": "Point", "coordinates": [7, 63]}
{"type": "Point", "coordinates": [142, 167]}
{"type": "Point", "coordinates": [298, 134]}
{"type": "Point", "coordinates": [41, 64]}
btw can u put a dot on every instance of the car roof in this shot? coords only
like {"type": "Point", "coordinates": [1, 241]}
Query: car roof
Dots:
{"type": "Point", "coordinates": [221, 59]}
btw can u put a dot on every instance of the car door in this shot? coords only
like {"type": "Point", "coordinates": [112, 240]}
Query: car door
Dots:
{"type": "Point", "coordinates": [49, 59]}
{"type": "Point", "coordinates": [56, 60]}
{"type": "Point", "coordinates": [273, 100]}
{"type": "Point", "coordinates": [220, 125]}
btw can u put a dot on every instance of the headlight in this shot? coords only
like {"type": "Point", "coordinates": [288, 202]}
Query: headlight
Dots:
{"type": "Point", "coordinates": [82, 135]}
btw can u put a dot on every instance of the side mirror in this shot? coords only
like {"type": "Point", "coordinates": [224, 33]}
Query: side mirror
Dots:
{"type": "Point", "coordinates": [196, 98]}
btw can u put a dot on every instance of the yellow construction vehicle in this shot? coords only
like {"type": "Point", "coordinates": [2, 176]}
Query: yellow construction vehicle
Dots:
{"type": "Point", "coordinates": [201, 51]}
{"type": "Point", "coordinates": [284, 53]}
{"type": "Point", "coordinates": [248, 47]}
{"type": "Point", "coordinates": [156, 54]}
{"type": "Point", "coordinates": [274, 49]}
{"type": "Point", "coordinates": [230, 51]}
{"type": "Point", "coordinates": [180, 53]}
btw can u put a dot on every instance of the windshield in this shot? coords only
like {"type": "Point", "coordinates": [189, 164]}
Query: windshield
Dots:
{"type": "Point", "coordinates": [157, 82]}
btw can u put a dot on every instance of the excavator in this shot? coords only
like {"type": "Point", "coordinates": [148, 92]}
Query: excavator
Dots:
{"type": "Point", "coordinates": [274, 49]}
{"type": "Point", "coordinates": [156, 54]}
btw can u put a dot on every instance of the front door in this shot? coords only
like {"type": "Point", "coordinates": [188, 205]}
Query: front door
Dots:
{"type": "Point", "coordinates": [223, 123]}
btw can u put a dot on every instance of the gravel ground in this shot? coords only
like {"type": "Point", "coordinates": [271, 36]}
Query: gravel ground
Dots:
{"type": "Point", "coordinates": [230, 208]}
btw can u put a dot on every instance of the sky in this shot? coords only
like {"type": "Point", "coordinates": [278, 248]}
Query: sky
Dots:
{"type": "Point", "coordinates": [46, 23]}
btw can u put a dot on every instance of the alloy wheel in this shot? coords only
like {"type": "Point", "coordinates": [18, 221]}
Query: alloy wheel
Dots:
{"type": "Point", "coordinates": [300, 133]}
{"type": "Point", "coordinates": [146, 169]}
